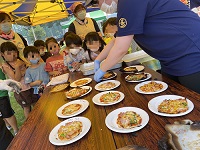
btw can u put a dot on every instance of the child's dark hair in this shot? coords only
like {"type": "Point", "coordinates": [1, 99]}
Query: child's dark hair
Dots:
{"type": "Point", "coordinates": [38, 43]}
{"type": "Point", "coordinates": [8, 46]}
{"type": "Point", "coordinates": [90, 37]}
{"type": "Point", "coordinates": [111, 21]}
{"type": "Point", "coordinates": [3, 16]}
{"type": "Point", "coordinates": [48, 40]}
{"type": "Point", "coordinates": [30, 49]}
{"type": "Point", "coordinates": [72, 38]}
{"type": "Point", "coordinates": [78, 8]}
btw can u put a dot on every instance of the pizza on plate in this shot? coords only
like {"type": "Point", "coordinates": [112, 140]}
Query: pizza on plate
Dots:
{"type": "Point", "coordinates": [173, 106]}
{"type": "Point", "coordinates": [108, 75]}
{"type": "Point", "coordinates": [107, 85]}
{"type": "Point", "coordinates": [71, 109]}
{"type": "Point", "coordinates": [110, 97]}
{"type": "Point", "coordinates": [59, 87]}
{"type": "Point", "coordinates": [130, 69]}
{"type": "Point", "coordinates": [151, 87]}
{"type": "Point", "coordinates": [136, 77]}
{"type": "Point", "coordinates": [81, 82]}
{"type": "Point", "coordinates": [76, 92]}
{"type": "Point", "coordinates": [70, 130]}
{"type": "Point", "coordinates": [128, 119]}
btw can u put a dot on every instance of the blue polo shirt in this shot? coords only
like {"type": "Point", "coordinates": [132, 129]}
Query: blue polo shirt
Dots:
{"type": "Point", "coordinates": [166, 29]}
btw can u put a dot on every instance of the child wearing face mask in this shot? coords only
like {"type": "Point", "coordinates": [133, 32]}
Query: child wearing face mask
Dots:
{"type": "Point", "coordinates": [8, 35]}
{"type": "Point", "coordinates": [15, 69]}
{"type": "Point", "coordinates": [35, 74]}
{"type": "Point", "coordinates": [82, 24]}
{"type": "Point", "coordinates": [54, 64]}
{"type": "Point", "coordinates": [93, 45]}
{"type": "Point", "coordinates": [75, 56]}
{"type": "Point", "coordinates": [40, 45]}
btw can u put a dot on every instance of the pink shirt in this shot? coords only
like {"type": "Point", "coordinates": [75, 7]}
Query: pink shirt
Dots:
{"type": "Point", "coordinates": [55, 63]}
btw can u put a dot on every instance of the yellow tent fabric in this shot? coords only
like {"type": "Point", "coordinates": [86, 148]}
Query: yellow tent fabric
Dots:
{"type": "Point", "coordinates": [41, 11]}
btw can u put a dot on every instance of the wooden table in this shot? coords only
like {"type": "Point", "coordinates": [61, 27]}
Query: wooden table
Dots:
{"type": "Point", "coordinates": [34, 134]}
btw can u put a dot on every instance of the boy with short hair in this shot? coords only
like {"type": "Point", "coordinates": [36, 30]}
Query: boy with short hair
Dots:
{"type": "Point", "coordinates": [35, 75]}
{"type": "Point", "coordinates": [40, 45]}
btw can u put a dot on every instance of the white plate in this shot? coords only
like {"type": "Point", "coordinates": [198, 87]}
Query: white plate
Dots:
{"type": "Point", "coordinates": [111, 119]}
{"type": "Point", "coordinates": [117, 83]}
{"type": "Point", "coordinates": [84, 105]}
{"type": "Point", "coordinates": [83, 87]}
{"type": "Point", "coordinates": [115, 74]}
{"type": "Point", "coordinates": [153, 105]}
{"type": "Point", "coordinates": [148, 77]}
{"type": "Point", "coordinates": [138, 67]}
{"type": "Point", "coordinates": [53, 136]}
{"type": "Point", "coordinates": [74, 85]}
{"type": "Point", "coordinates": [96, 98]}
{"type": "Point", "coordinates": [137, 87]}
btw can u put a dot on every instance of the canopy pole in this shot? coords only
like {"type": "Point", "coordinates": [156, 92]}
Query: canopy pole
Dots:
{"type": "Point", "coordinates": [33, 33]}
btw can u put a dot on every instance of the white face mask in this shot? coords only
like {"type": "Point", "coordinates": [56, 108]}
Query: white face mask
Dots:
{"type": "Point", "coordinates": [109, 9]}
{"type": "Point", "coordinates": [109, 34]}
{"type": "Point", "coordinates": [94, 50]}
{"type": "Point", "coordinates": [74, 51]}
{"type": "Point", "coordinates": [81, 15]}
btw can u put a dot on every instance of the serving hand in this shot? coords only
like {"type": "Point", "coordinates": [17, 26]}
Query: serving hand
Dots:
{"type": "Point", "coordinates": [98, 75]}
{"type": "Point", "coordinates": [10, 85]}
{"type": "Point", "coordinates": [96, 65]}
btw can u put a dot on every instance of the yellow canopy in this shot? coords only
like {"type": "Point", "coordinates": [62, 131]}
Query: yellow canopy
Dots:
{"type": "Point", "coordinates": [34, 12]}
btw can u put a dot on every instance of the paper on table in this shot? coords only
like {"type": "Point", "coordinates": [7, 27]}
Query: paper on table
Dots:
{"type": "Point", "coordinates": [59, 79]}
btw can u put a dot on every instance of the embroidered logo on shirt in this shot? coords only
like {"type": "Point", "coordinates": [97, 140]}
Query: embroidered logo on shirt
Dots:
{"type": "Point", "coordinates": [122, 22]}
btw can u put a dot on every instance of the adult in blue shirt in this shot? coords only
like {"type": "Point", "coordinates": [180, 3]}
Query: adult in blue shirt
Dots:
{"type": "Point", "coordinates": [166, 29]}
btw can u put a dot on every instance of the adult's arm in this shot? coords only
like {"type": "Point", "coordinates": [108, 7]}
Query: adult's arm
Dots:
{"type": "Point", "coordinates": [72, 28]}
{"type": "Point", "coordinates": [23, 39]}
{"type": "Point", "coordinates": [96, 25]}
{"type": "Point", "coordinates": [119, 49]}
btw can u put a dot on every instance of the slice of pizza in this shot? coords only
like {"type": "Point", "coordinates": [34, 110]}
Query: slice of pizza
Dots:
{"type": "Point", "coordinates": [128, 119]}
{"type": "Point", "coordinates": [71, 109]}
{"type": "Point", "coordinates": [70, 130]}
{"type": "Point", "coordinates": [173, 106]}
{"type": "Point", "coordinates": [76, 92]}
{"type": "Point", "coordinates": [136, 77]}
{"type": "Point", "coordinates": [110, 97]}
{"type": "Point", "coordinates": [81, 82]}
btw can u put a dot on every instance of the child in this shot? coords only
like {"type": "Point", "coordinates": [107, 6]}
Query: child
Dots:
{"type": "Point", "coordinates": [93, 45]}
{"type": "Point", "coordinates": [109, 29]}
{"type": "Point", "coordinates": [54, 64]}
{"type": "Point", "coordinates": [76, 57]}
{"type": "Point", "coordinates": [15, 69]}
{"type": "Point", "coordinates": [6, 111]}
{"type": "Point", "coordinates": [35, 75]}
{"type": "Point", "coordinates": [40, 45]}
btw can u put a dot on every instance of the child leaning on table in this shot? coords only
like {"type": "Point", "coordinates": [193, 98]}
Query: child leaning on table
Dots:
{"type": "Point", "coordinates": [40, 45]}
{"type": "Point", "coordinates": [75, 55]}
{"type": "Point", "coordinates": [54, 64]}
{"type": "Point", "coordinates": [35, 75]}
{"type": "Point", "coordinates": [15, 69]}
{"type": "Point", "coordinates": [93, 45]}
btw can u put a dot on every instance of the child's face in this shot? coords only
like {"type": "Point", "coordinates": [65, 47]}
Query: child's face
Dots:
{"type": "Point", "coordinates": [93, 46]}
{"type": "Point", "coordinates": [74, 49]}
{"type": "Point", "coordinates": [111, 29]}
{"type": "Point", "coordinates": [33, 58]}
{"type": "Point", "coordinates": [10, 56]}
{"type": "Point", "coordinates": [41, 49]}
{"type": "Point", "coordinates": [53, 48]}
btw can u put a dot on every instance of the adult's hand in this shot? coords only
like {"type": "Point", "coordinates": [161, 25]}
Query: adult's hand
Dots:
{"type": "Point", "coordinates": [10, 85]}
{"type": "Point", "coordinates": [98, 75]}
{"type": "Point", "coordinates": [96, 65]}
